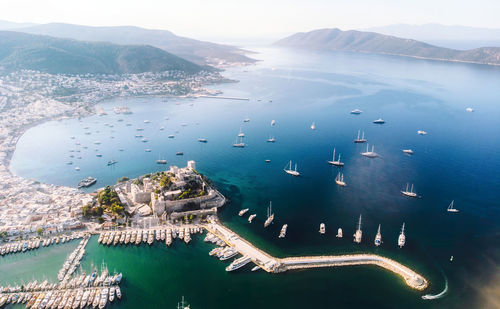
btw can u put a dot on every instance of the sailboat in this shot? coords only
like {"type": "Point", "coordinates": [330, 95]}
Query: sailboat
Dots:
{"type": "Point", "coordinates": [241, 134]}
{"type": "Point", "coordinates": [340, 180]}
{"type": "Point", "coordinates": [160, 160]}
{"type": "Point", "coordinates": [339, 233]}
{"type": "Point", "coordinates": [409, 193]}
{"type": "Point", "coordinates": [360, 140]}
{"type": "Point", "coordinates": [273, 122]}
{"type": "Point", "coordinates": [290, 171]}
{"type": "Point", "coordinates": [271, 139]}
{"type": "Point", "coordinates": [370, 154]}
{"type": "Point", "coordinates": [270, 215]}
{"type": "Point", "coordinates": [240, 144]}
{"type": "Point", "coordinates": [451, 208]}
{"type": "Point", "coordinates": [313, 126]}
{"type": "Point", "coordinates": [378, 237]}
{"type": "Point", "coordinates": [182, 304]}
{"type": "Point", "coordinates": [402, 237]}
{"type": "Point", "coordinates": [336, 163]}
{"type": "Point", "coordinates": [359, 233]}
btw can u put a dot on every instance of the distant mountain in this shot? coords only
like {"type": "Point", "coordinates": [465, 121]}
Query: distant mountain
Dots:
{"type": "Point", "coordinates": [199, 52]}
{"type": "Point", "coordinates": [53, 55]}
{"type": "Point", "coordinates": [447, 36]}
{"type": "Point", "coordinates": [370, 42]}
{"type": "Point", "coordinates": [8, 25]}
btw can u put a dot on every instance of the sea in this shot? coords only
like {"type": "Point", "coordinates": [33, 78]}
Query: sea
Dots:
{"type": "Point", "coordinates": [458, 160]}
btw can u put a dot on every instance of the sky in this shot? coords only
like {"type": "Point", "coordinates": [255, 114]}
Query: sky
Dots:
{"type": "Point", "coordinates": [212, 19]}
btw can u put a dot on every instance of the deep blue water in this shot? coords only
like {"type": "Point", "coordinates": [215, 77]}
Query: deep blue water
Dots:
{"type": "Point", "coordinates": [457, 160]}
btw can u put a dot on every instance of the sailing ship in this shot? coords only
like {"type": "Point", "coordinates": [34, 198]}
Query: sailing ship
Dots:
{"type": "Point", "coordinates": [160, 160]}
{"type": "Point", "coordinates": [241, 134]}
{"type": "Point", "coordinates": [339, 233]}
{"type": "Point", "coordinates": [283, 231]}
{"type": "Point", "coordinates": [451, 208]}
{"type": "Point", "coordinates": [240, 144]}
{"type": "Point", "coordinates": [360, 140]}
{"type": "Point", "coordinates": [271, 139]}
{"type": "Point", "coordinates": [358, 235]}
{"type": "Point", "coordinates": [270, 215]}
{"type": "Point", "coordinates": [251, 217]}
{"type": "Point", "coordinates": [340, 180]}
{"type": "Point", "coordinates": [370, 154]}
{"type": "Point", "coordinates": [322, 228]}
{"type": "Point", "coordinates": [290, 171]}
{"type": "Point", "coordinates": [242, 212]}
{"type": "Point", "coordinates": [182, 304]}
{"type": "Point", "coordinates": [202, 140]}
{"type": "Point", "coordinates": [402, 237]}
{"type": "Point", "coordinates": [409, 193]}
{"type": "Point", "coordinates": [336, 163]}
{"type": "Point", "coordinates": [378, 237]}
{"type": "Point", "coordinates": [313, 126]}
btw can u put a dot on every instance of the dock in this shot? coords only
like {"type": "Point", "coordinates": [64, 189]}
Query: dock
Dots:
{"type": "Point", "coordinates": [277, 265]}
{"type": "Point", "coordinates": [224, 98]}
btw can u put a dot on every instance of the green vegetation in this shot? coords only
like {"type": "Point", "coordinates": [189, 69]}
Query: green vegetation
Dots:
{"type": "Point", "coordinates": [39, 231]}
{"type": "Point", "coordinates": [3, 234]}
{"type": "Point", "coordinates": [164, 179]}
{"type": "Point", "coordinates": [20, 51]}
{"type": "Point", "coordinates": [110, 202]}
{"type": "Point", "coordinates": [190, 194]}
{"type": "Point", "coordinates": [122, 179]}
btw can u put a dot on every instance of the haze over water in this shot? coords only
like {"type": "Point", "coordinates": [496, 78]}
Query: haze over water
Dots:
{"type": "Point", "coordinates": [457, 160]}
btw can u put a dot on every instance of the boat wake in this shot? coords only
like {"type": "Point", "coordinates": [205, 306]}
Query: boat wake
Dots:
{"type": "Point", "coordinates": [437, 296]}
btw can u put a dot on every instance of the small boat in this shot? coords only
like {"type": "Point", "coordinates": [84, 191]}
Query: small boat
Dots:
{"type": "Point", "coordinates": [240, 144]}
{"type": "Point", "coordinates": [246, 120]}
{"type": "Point", "coordinates": [255, 268]}
{"type": "Point", "coordinates": [140, 129]}
{"type": "Point", "coordinates": [451, 208]}
{"type": "Point", "coordinates": [339, 233]}
{"type": "Point", "coordinates": [421, 132]}
{"type": "Point", "coordinates": [283, 231]}
{"type": "Point", "coordinates": [340, 180]}
{"type": "Point", "coordinates": [147, 121]}
{"type": "Point", "coordinates": [322, 228]}
{"type": "Point", "coordinates": [313, 126]}
{"type": "Point", "coordinates": [171, 136]}
{"type": "Point", "coordinates": [370, 154]}
{"type": "Point", "coordinates": [179, 153]}
{"type": "Point", "coordinates": [161, 160]}
{"type": "Point", "coordinates": [241, 134]}
{"type": "Point", "coordinates": [243, 211]}
{"type": "Point", "coordinates": [356, 111]}
{"type": "Point", "coordinates": [402, 237]}
{"type": "Point", "coordinates": [469, 109]}
{"type": "Point", "coordinates": [336, 163]}
{"type": "Point", "coordinates": [267, 160]}
{"type": "Point", "coordinates": [378, 237]}
{"type": "Point", "coordinates": [202, 140]}
{"type": "Point", "coordinates": [271, 139]}
{"type": "Point", "coordinates": [251, 217]}
{"type": "Point", "coordinates": [112, 162]}
{"type": "Point", "coordinates": [359, 233]}
{"type": "Point", "coordinates": [408, 151]}
{"type": "Point", "coordinates": [273, 122]}
{"type": "Point", "coordinates": [144, 140]}
{"type": "Point", "coordinates": [379, 121]}
{"type": "Point", "coordinates": [270, 215]}
{"type": "Point", "coordinates": [360, 140]}
{"type": "Point", "coordinates": [289, 170]}
{"type": "Point", "coordinates": [409, 193]}
{"type": "Point", "coordinates": [147, 150]}
{"type": "Point", "coordinates": [451, 258]}
{"type": "Point", "coordinates": [77, 168]}
{"type": "Point", "coordinates": [98, 155]}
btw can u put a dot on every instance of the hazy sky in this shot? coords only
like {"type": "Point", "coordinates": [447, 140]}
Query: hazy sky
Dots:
{"type": "Point", "coordinates": [252, 18]}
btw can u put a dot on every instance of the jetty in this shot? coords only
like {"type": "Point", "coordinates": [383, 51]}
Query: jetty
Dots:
{"type": "Point", "coordinates": [277, 265]}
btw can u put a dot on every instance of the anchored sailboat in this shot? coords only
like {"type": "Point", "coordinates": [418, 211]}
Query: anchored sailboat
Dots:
{"type": "Point", "coordinates": [370, 154]}
{"type": "Point", "coordinates": [358, 235]}
{"type": "Point", "coordinates": [313, 126]}
{"type": "Point", "coordinates": [402, 237]}
{"type": "Point", "coordinates": [378, 237]}
{"type": "Point", "coordinates": [241, 134]}
{"type": "Point", "coordinates": [288, 170]}
{"type": "Point", "coordinates": [240, 144]}
{"type": "Point", "coordinates": [336, 163]}
{"type": "Point", "coordinates": [360, 140]}
{"type": "Point", "coordinates": [409, 193]}
{"type": "Point", "coordinates": [340, 180]}
{"type": "Point", "coordinates": [270, 215]}
{"type": "Point", "coordinates": [451, 208]}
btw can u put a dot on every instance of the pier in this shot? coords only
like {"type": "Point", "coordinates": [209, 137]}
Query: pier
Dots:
{"type": "Point", "coordinates": [224, 98]}
{"type": "Point", "coordinates": [276, 265]}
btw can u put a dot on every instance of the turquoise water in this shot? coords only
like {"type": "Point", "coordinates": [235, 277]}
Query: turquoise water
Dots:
{"type": "Point", "coordinates": [457, 160]}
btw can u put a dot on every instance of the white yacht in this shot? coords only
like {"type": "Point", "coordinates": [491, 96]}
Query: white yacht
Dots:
{"type": "Point", "coordinates": [289, 170]}
{"type": "Point", "coordinates": [242, 212]}
{"type": "Point", "coordinates": [469, 109]}
{"type": "Point", "coordinates": [270, 215]}
{"type": "Point", "coordinates": [336, 163]}
{"type": "Point", "coordinates": [421, 132]}
{"type": "Point", "coordinates": [360, 139]}
{"type": "Point", "coordinates": [238, 263]}
{"type": "Point", "coordinates": [408, 151]}
{"type": "Point", "coordinates": [283, 231]}
{"type": "Point", "coordinates": [378, 237]}
{"type": "Point", "coordinates": [251, 217]}
{"type": "Point", "coordinates": [409, 193]}
{"type": "Point", "coordinates": [356, 111]}
{"type": "Point", "coordinates": [271, 139]}
{"type": "Point", "coordinates": [379, 121]}
{"type": "Point", "coordinates": [313, 126]}
{"type": "Point", "coordinates": [370, 154]}
{"type": "Point", "coordinates": [273, 122]}
{"type": "Point", "coordinates": [340, 180]}
{"type": "Point", "coordinates": [451, 208]}
{"type": "Point", "coordinates": [241, 134]}
{"type": "Point", "coordinates": [202, 140]}
{"type": "Point", "coordinates": [339, 233]}
{"type": "Point", "coordinates": [161, 160]}
{"type": "Point", "coordinates": [359, 233]}
{"type": "Point", "coordinates": [402, 237]}
{"type": "Point", "coordinates": [322, 228]}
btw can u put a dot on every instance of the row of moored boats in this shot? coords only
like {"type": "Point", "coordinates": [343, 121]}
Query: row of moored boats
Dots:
{"type": "Point", "coordinates": [148, 235]}
{"type": "Point", "coordinates": [26, 245]}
